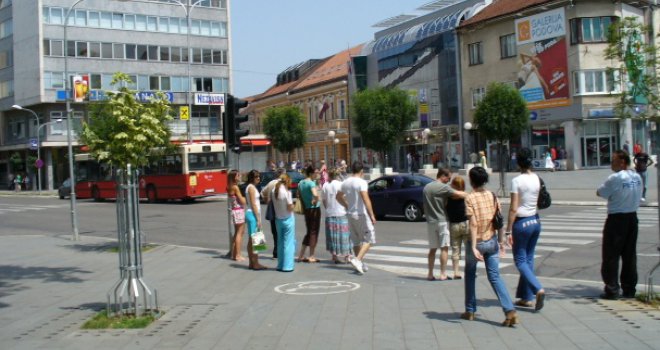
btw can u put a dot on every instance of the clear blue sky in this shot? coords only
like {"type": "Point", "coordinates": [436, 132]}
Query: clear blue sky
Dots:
{"type": "Point", "coordinates": [269, 36]}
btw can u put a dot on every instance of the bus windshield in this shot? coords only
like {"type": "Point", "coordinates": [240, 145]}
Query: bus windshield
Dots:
{"type": "Point", "coordinates": [206, 161]}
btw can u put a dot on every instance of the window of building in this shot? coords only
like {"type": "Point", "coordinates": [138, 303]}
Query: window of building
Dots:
{"type": "Point", "coordinates": [475, 53]}
{"type": "Point", "coordinates": [165, 53]}
{"type": "Point", "coordinates": [183, 26]}
{"type": "Point", "coordinates": [163, 24]}
{"type": "Point", "coordinates": [142, 52]}
{"type": "Point", "coordinates": [46, 45]}
{"type": "Point", "coordinates": [203, 84]}
{"type": "Point", "coordinates": [118, 21]}
{"type": "Point", "coordinates": [197, 55]}
{"type": "Point", "coordinates": [175, 54]}
{"type": "Point", "coordinates": [106, 50]}
{"type": "Point", "coordinates": [215, 29]}
{"type": "Point", "coordinates": [154, 83]}
{"type": "Point", "coordinates": [129, 22]}
{"type": "Point", "coordinates": [71, 48]}
{"type": "Point", "coordinates": [118, 51]}
{"type": "Point", "coordinates": [594, 82]}
{"type": "Point", "coordinates": [184, 55]}
{"type": "Point", "coordinates": [81, 49]}
{"type": "Point", "coordinates": [590, 29]}
{"type": "Point", "coordinates": [342, 109]}
{"type": "Point", "coordinates": [95, 81]}
{"type": "Point", "coordinates": [94, 19]}
{"type": "Point", "coordinates": [57, 128]}
{"type": "Point", "coordinates": [6, 59]}
{"type": "Point", "coordinates": [106, 20]}
{"type": "Point", "coordinates": [143, 83]}
{"type": "Point", "coordinates": [57, 48]}
{"type": "Point", "coordinates": [56, 15]}
{"type": "Point", "coordinates": [508, 46]}
{"type": "Point", "coordinates": [165, 83]}
{"type": "Point", "coordinates": [152, 23]}
{"type": "Point", "coordinates": [207, 56]}
{"type": "Point", "coordinates": [53, 80]}
{"type": "Point", "coordinates": [477, 95]}
{"type": "Point", "coordinates": [195, 26]}
{"type": "Point", "coordinates": [141, 22]}
{"type": "Point", "coordinates": [152, 52]}
{"type": "Point", "coordinates": [131, 51]}
{"type": "Point", "coordinates": [205, 28]}
{"type": "Point", "coordinates": [95, 50]}
{"type": "Point", "coordinates": [6, 88]}
{"type": "Point", "coordinates": [17, 127]}
{"type": "Point", "coordinates": [81, 18]}
{"type": "Point", "coordinates": [6, 28]}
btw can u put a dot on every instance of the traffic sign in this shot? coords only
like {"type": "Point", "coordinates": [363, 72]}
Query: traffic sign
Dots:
{"type": "Point", "coordinates": [34, 144]}
{"type": "Point", "coordinates": [39, 163]}
{"type": "Point", "coordinates": [184, 113]}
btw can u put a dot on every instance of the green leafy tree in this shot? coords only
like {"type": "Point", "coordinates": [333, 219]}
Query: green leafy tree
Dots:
{"type": "Point", "coordinates": [285, 127]}
{"type": "Point", "coordinates": [501, 116]}
{"type": "Point", "coordinates": [123, 130]}
{"type": "Point", "coordinates": [380, 115]}
{"type": "Point", "coordinates": [636, 64]}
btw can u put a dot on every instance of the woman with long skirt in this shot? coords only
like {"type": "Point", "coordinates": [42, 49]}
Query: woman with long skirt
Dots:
{"type": "Point", "coordinates": [286, 224]}
{"type": "Point", "coordinates": [487, 245]}
{"type": "Point", "coordinates": [523, 230]}
{"type": "Point", "coordinates": [337, 232]}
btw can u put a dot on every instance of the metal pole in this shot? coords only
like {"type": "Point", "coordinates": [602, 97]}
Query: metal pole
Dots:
{"type": "Point", "coordinates": [188, 95]}
{"type": "Point", "coordinates": [74, 214]}
{"type": "Point", "coordinates": [38, 148]}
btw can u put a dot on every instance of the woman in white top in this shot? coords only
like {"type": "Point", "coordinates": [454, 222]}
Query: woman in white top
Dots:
{"type": "Point", "coordinates": [523, 230]}
{"type": "Point", "coordinates": [286, 224]}
{"type": "Point", "coordinates": [337, 232]}
{"type": "Point", "coordinates": [253, 217]}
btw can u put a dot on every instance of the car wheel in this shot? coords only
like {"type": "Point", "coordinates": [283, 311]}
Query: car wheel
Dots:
{"type": "Point", "coordinates": [412, 212]}
{"type": "Point", "coordinates": [61, 197]}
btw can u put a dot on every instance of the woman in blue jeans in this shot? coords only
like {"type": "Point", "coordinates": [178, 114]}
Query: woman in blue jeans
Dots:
{"type": "Point", "coordinates": [523, 230]}
{"type": "Point", "coordinates": [485, 245]}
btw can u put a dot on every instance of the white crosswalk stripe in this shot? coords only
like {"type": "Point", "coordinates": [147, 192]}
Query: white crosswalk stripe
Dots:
{"type": "Point", "coordinates": [559, 234]}
{"type": "Point", "coordinates": [15, 208]}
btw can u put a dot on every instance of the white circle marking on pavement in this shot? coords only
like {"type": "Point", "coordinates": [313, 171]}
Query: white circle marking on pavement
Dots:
{"type": "Point", "coordinates": [317, 287]}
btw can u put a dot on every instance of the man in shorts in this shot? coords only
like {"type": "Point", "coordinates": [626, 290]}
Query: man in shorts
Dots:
{"type": "Point", "coordinates": [354, 196]}
{"type": "Point", "coordinates": [436, 194]}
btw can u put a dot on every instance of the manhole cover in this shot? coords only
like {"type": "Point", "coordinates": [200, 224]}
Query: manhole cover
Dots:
{"type": "Point", "coordinates": [317, 287]}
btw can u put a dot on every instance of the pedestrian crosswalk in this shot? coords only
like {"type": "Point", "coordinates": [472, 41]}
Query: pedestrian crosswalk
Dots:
{"type": "Point", "coordinates": [16, 208]}
{"type": "Point", "coordinates": [560, 233]}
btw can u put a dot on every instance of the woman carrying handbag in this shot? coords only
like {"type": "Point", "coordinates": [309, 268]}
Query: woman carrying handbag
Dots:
{"type": "Point", "coordinates": [253, 217]}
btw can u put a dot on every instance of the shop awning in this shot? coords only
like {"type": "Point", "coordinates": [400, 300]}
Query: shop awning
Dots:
{"type": "Point", "coordinates": [255, 142]}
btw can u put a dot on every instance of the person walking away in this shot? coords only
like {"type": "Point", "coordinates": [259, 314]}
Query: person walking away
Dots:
{"type": "Point", "coordinates": [435, 197]}
{"type": "Point", "coordinates": [286, 224]}
{"type": "Point", "coordinates": [354, 196]}
{"type": "Point", "coordinates": [486, 245]}
{"type": "Point", "coordinates": [459, 233]}
{"type": "Point", "coordinates": [237, 202]}
{"type": "Point", "coordinates": [623, 191]}
{"type": "Point", "coordinates": [523, 230]}
{"type": "Point", "coordinates": [309, 194]}
{"type": "Point", "coordinates": [482, 160]}
{"type": "Point", "coordinates": [253, 217]}
{"type": "Point", "coordinates": [266, 195]}
{"type": "Point", "coordinates": [337, 232]}
{"type": "Point", "coordinates": [642, 162]}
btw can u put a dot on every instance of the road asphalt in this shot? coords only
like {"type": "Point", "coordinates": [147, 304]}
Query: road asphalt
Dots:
{"type": "Point", "coordinates": [50, 285]}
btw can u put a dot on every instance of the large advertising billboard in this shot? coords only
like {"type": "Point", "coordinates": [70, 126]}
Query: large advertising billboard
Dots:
{"type": "Point", "coordinates": [543, 63]}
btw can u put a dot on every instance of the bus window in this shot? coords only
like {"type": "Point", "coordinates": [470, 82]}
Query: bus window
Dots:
{"type": "Point", "coordinates": [206, 161]}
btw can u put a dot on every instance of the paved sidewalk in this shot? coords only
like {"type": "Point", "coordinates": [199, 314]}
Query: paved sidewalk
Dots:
{"type": "Point", "coordinates": [50, 285]}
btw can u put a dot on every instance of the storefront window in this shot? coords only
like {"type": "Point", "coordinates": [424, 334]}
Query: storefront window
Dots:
{"type": "Point", "coordinates": [599, 140]}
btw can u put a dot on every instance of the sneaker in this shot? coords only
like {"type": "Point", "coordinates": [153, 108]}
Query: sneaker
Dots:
{"type": "Point", "coordinates": [364, 267]}
{"type": "Point", "coordinates": [357, 264]}
{"type": "Point", "coordinates": [609, 296]}
{"type": "Point", "coordinates": [643, 199]}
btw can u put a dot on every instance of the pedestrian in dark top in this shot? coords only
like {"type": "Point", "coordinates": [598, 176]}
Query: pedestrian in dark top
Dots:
{"type": "Point", "coordinates": [642, 162]}
{"type": "Point", "coordinates": [623, 191]}
{"type": "Point", "coordinates": [459, 230]}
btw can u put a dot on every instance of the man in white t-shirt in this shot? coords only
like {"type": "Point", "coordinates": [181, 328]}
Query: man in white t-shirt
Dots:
{"type": "Point", "coordinates": [354, 196]}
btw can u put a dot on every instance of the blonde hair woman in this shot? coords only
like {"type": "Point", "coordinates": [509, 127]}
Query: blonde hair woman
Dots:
{"type": "Point", "coordinates": [237, 203]}
{"type": "Point", "coordinates": [286, 224]}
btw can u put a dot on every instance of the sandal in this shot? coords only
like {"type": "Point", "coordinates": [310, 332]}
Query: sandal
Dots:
{"type": "Point", "coordinates": [312, 260]}
{"type": "Point", "coordinates": [511, 319]}
{"type": "Point", "coordinates": [524, 303]}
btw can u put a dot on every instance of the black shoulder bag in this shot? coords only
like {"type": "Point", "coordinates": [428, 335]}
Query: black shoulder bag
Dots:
{"type": "Point", "coordinates": [498, 219]}
{"type": "Point", "coordinates": [544, 200]}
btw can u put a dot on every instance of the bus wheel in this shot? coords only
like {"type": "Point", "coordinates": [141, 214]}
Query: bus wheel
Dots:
{"type": "Point", "coordinates": [96, 194]}
{"type": "Point", "coordinates": [151, 194]}
{"type": "Point", "coordinates": [188, 200]}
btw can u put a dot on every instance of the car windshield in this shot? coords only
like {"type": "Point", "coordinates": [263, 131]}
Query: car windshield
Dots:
{"type": "Point", "coordinates": [415, 181]}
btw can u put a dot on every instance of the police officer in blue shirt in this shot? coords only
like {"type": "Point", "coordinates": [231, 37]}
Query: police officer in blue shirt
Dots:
{"type": "Point", "coordinates": [623, 191]}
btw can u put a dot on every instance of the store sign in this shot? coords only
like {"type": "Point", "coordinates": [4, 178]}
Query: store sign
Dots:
{"type": "Point", "coordinates": [601, 113]}
{"type": "Point", "coordinates": [206, 99]}
{"type": "Point", "coordinates": [146, 96]}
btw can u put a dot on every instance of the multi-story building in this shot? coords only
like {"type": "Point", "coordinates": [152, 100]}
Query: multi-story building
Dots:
{"type": "Point", "coordinates": [553, 52]}
{"type": "Point", "coordinates": [420, 54]}
{"type": "Point", "coordinates": [320, 88]}
{"type": "Point", "coordinates": [151, 41]}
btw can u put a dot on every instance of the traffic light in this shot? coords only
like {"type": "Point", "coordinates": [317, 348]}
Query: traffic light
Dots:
{"type": "Point", "coordinates": [232, 119]}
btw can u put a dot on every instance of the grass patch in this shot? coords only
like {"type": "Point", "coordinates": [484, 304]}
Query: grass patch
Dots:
{"type": "Point", "coordinates": [655, 302]}
{"type": "Point", "coordinates": [102, 321]}
{"type": "Point", "coordinates": [145, 248]}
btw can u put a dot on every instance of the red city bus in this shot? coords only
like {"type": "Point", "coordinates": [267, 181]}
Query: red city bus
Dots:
{"type": "Point", "coordinates": [194, 171]}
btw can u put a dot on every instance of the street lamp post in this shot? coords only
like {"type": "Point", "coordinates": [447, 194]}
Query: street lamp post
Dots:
{"type": "Point", "coordinates": [187, 7]}
{"type": "Point", "coordinates": [425, 138]}
{"type": "Point", "coordinates": [467, 126]}
{"type": "Point", "coordinates": [36, 117]}
{"type": "Point", "coordinates": [335, 141]}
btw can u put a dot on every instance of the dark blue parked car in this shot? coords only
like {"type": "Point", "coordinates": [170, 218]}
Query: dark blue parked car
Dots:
{"type": "Point", "coordinates": [399, 195]}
